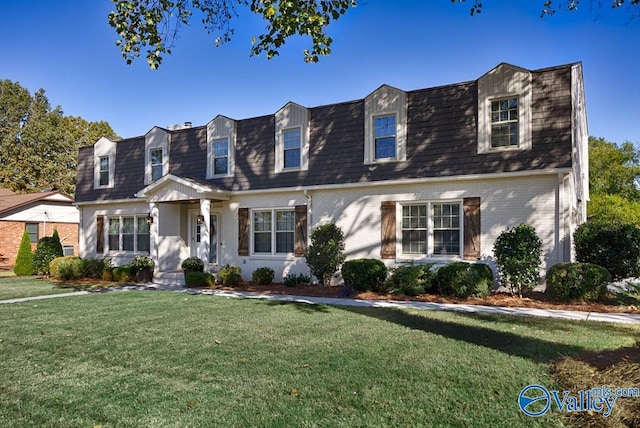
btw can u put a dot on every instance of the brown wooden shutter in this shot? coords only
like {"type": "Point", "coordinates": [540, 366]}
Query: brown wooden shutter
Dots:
{"type": "Point", "coordinates": [300, 231]}
{"type": "Point", "coordinates": [388, 230]}
{"type": "Point", "coordinates": [243, 231]}
{"type": "Point", "coordinates": [471, 208]}
{"type": "Point", "coordinates": [100, 234]}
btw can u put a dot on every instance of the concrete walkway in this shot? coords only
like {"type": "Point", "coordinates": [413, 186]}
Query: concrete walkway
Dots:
{"type": "Point", "coordinates": [456, 307]}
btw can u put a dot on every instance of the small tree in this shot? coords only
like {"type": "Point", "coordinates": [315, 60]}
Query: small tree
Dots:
{"type": "Point", "coordinates": [518, 252]}
{"type": "Point", "coordinates": [56, 242]}
{"type": "Point", "coordinates": [24, 261]}
{"type": "Point", "coordinates": [325, 254]}
{"type": "Point", "coordinates": [46, 250]}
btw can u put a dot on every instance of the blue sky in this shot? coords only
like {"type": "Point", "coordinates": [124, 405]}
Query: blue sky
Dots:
{"type": "Point", "coordinates": [68, 48]}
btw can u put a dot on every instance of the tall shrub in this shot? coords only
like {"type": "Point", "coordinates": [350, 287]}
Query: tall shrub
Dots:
{"type": "Point", "coordinates": [46, 250]}
{"type": "Point", "coordinates": [56, 242]}
{"type": "Point", "coordinates": [24, 260]}
{"type": "Point", "coordinates": [518, 252]}
{"type": "Point", "coordinates": [325, 254]}
{"type": "Point", "coordinates": [614, 246]}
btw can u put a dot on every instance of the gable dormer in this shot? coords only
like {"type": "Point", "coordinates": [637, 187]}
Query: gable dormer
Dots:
{"type": "Point", "coordinates": [292, 138]}
{"type": "Point", "coordinates": [221, 143]}
{"type": "Point", "coordinates": [104, 161]}
{"type": "Point", "coordinates": [504, 109]}
{"type": "Point", "coordinates": [385, 126]}
{"type": "Point", "coordinates": [156, 154]}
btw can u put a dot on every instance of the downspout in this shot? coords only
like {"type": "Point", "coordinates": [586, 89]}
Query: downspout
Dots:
{"type": "Point", "coordinates": [309, 214]}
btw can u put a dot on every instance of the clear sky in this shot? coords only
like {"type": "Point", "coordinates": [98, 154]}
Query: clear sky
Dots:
{"type": "Point", "coordinates": [67, 48]}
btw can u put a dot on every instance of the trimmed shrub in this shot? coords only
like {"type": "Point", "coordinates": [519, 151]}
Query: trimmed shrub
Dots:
{"type": "Point", "coordinates": [263, 275]}
{"type": "Point", "coordinates": [93, 268]}
{"type": "Point", "coordinates": [462, 279]}
{"type": "Point", "coordinates": [325, 254]}
{"type": "Point", "coordinates": [364, 274]}
{"type": "Point", "coordinates": [614, 246]}
{"type": "Point", "coordinates": [24, 260]}
{"type": "Point", "coordinates": [577, 281]}
{"type": "Point", "coordinates": [293, 280]}
{"type": "Point", "coordinates": [48, 248]}
{"type": "Point", "coordinates": [230, 275]}
{"type": "Point", "coordinates": [123, 274]}
{"type": "Point", "coordinates": [193, 263]}
{"type": "Point", "coordinates": [54, 264]}
{"type": "Point", "coordinates": [69, 267]}
{"type": "Point", "coordinates": [411, 279]}
{"type": "Point", "coordinates": [56, 242]}
{"type": "Point", "coordinates": [518, 252]}
{"type": "Point", "coordinates": [199, 279]}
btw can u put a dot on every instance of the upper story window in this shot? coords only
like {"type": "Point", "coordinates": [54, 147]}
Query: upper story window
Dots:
{"type": "Point", "coordinates": [385, 125]}
{"type": "Point", "coordinates": [431, 229]}
{"type": "Point", "coordinates": [292, 138]}
{"type": "Point", "coordinates": [156, 144]}
{"type": "Point", "coordinates": [504, 109]}
{"type": "Point", "coordinates": [156, 160]}
{"type": "Point", "coordinates": [504, 122]}
{"type": "Point", "coordinates": [104, 154]}
{"type": "Point", "coordinates": [220, 157]}
{"type": "Point", "coordinates": [221, 140]}
{"type": "Point", "coordinates": [273, 231]}
{"type": "Point", "coordinates": [104, 171]}
{"type": "Point", "coordinates": [385, 136]}
{"type": "Point", "coordinates": [291, 148]}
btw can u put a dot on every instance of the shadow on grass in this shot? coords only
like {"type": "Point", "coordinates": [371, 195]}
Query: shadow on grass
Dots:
{"type": "Point", "coordinates": [535, 349]}
{"type": "Point", "coordinates": [302, 307]}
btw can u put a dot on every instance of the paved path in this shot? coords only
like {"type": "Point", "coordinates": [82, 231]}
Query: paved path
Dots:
{"type": "Point", "coordinates": [456, 307]}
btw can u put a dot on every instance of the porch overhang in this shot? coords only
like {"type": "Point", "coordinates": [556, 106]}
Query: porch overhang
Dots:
{"type": "Point", "coordinates": [171, 188]}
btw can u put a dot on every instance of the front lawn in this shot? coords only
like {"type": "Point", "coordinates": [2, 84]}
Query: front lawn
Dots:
{"type": "Point", "coordinates": [14, 287]}
{"type": "Point", "coordinates": [168, 359]}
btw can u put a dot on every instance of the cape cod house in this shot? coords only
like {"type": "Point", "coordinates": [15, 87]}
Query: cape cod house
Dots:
{"type": "Point", "coordinates": [420, 175]}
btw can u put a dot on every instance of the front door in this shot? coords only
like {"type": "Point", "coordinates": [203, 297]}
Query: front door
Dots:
{"type": "Point", "coordinates": [195, 238]}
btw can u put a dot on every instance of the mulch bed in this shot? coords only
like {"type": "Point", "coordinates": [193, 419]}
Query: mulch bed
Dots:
{"type": "Point", "coordinates": [530, 300]}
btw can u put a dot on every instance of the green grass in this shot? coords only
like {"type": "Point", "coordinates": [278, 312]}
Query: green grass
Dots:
{"type": "Point", "coordinates": [13, 287]}
{"type": "Point", "coordinates": [162, 359]}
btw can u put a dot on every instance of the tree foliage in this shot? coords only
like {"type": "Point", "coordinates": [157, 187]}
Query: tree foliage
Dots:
{"type": "Point", "coordinates": [38, 144]}
{"type": "Point", "coordinates": [153, 25]}
{"type": "Point", "coordinates": [326, 252]}
{"type": "Point", "coordinates": [550, 7]}
{"type": "Point", "coordinates": [24, 260]}
{"type": "Point", "coordinates": [518, 251]}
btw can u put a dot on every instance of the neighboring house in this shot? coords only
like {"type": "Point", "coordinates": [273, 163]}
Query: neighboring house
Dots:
{"type": "Point", "coordinates": [409, 176]}
{"type": "Point", "coordinates": [38, 214]}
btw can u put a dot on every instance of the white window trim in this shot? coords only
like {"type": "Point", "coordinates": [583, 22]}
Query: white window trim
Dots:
{"type": "Point", "coordinates": [107, 248]}
{"type": "Point", "coordinates": [430, 250]}
{"type": "Point", "coordinates": [104, 148]}
{"type": "Point", "coordinates": [385, 101]}
{"type": "Point", "coordinates": [211, 167]}
{"type": "Point", "coordinates": [273, 253]}
{"type": "Point", "coordinates": [291, 116]}
{"type": "Point", "coordinates": [504, 81]}
{"type": "Point", "coordinates": [157, 138]}
{"type": "Point", "coordinates": [219, 128]}
{"type": "Point", "coordinates": [151, 164]}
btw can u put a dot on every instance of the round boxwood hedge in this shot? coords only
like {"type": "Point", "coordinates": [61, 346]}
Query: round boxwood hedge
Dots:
{"type": "Point", "coordinates": [577, 281]}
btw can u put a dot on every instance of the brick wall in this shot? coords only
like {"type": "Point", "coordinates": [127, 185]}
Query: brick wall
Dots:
{"type": "Point", "coordinates": [11, 234]}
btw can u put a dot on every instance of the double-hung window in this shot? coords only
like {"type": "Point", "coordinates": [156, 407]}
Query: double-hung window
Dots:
{"type": "Point", "coordinates": [32, 230]}
{"type": "Point", "coordinates": [104, 171]}
{"type": "Point", "coordinates": [156, 164]}
{"type": "Point", "coordinates": [504, 122]}
{"type": "Point", "coordinates": [384, 131]}
{"type": "Point", "coordinates": [273, 231]}
{"type": "Point", "coordinates": [291, 148]}
{"type": "Point", "coordinates": [221, 156]}
{"type": "Point", "coordinates": [431, 228]}
{"type": "Point", "coordinates": [128, 233]}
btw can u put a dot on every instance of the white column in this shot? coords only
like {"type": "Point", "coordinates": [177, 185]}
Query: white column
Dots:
{"type": "Point", "coordinates": [203, 248]}
{"type": "Point", "coordinates": [153, 233]}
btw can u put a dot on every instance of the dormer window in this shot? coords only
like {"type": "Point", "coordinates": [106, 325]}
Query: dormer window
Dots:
{"type": "Point", "coordinates": [292, 138]}
{"type": "Point", "coordinates": [504, 109]}
{"type": "Point", "coordinates": [104, 171]}
{"type": "Point", "coordinates": [156, 164]}
{"type": "Point", "coordinates": [220, 156]}
{"type": "Point", "coordinates": [385, 136]}
{"type": "Point", "coordinates": [291, 148]}
{"type": "Point", "coordinates": [504, 122]}
{"type": "Point", "coordinates": [385, 128]}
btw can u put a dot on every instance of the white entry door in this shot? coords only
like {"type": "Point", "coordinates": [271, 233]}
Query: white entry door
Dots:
{"type": "Point", "coordinates": [195, 236]}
